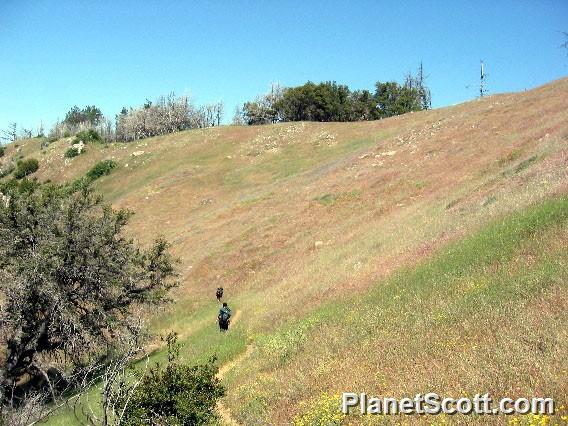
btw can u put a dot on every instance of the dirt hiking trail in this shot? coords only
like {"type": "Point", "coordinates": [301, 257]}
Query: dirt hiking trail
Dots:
{"type": "Point", "coordinates": [227, 418]}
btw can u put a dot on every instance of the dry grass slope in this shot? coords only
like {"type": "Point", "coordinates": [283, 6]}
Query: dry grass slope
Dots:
{"type": "Point", "coordinates": [306, 224]}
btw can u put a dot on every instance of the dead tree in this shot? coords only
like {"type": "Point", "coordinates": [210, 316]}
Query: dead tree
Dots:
{"type": "Point", "coordinates": [219, 112]}
{"type": "Point", "coordinates": [10, 134]}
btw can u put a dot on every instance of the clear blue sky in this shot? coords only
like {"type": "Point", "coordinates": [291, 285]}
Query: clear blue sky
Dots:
{"type": "Point", "coordinates": [55, 54]}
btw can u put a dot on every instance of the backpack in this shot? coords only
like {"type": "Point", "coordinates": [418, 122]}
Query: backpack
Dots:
{"type": "Point", "coordinates": [224, 314]}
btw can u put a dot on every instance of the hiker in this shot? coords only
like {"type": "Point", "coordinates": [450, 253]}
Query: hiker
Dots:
{"type": "Point", "coordinates": [224, 317]}
{"type": "Point", "coordinates": [219, 293]}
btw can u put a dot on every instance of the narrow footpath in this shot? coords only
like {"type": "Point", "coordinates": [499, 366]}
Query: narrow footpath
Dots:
{"type": "Point", "coordinates": [227, 418]}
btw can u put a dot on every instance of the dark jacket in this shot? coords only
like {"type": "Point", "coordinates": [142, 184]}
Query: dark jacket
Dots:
{"type": "Point", "coordinates": [224, 313]}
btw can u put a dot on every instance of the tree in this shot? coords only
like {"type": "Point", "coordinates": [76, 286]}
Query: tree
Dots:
{"type": "Point", "coordinates": [265, 109]}
{"type": "Point", "coordinates": [423, 90]}
{"type": "Point", "coordinates": [74, 116]}
{"type": "Point", "coordinates": [327, 101]}
{"type": "Point", "coordinates": [298, 103]}
{"type": "Point", "coordinates": [363, 106]}
{"type": "Point", "coordinates": [238, 119]}
{"type": "Point", "coordinates": [565, 44]}
{"type": "Point", "coordinates": [71, 284]}
{"type": "Point", "coordinates": [210, 115]}
{"type": "Point", "coordinates": [330, 101]}
{"type": "Point", "coordinates": [89, 114]}
{"type": "Point", "coordinates": [82, 119]}
{"type": "Point", "coordinates": [10, 134]}
{"type": "Point", "coordinates": [417, 84]}
{"type": "Point", "coordinates": [40, 130]}
{"type": "Point", "coordinates": [219, 110]}
{"type": "Point", "coordinates": [394, 99]}
{"type": "Point", "coordinates": [25, 133]}
{"type": "Point", "coordinates": [93, 115]}
{"type": "Point", "coordinates": [256, 112]}
{"type": "Point", "coordinates": [167, 115]}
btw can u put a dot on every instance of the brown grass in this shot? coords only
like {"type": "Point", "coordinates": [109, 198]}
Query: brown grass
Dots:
{"type": "Point", "coordinates": [244, 207]}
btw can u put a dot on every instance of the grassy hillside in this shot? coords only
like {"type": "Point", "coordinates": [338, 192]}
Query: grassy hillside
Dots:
{"type": "Point", "coordinates": [424, 252]}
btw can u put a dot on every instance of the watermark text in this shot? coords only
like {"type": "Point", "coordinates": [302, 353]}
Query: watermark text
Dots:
{"type": "Point", "coordinates": [432, 403]}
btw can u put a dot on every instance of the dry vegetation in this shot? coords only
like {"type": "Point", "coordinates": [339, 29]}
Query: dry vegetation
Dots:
{"type": "Point", "coordinates": [308, 226]}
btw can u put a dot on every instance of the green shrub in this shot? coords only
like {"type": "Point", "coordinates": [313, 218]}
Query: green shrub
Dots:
{"type": "Point", "coordinates": [2, 151]}
{"type": "Point", "coordinates": [525, 164]}
{"type": "Point", "coordinates": [26, 167]}
{"type": "Point", "coordinates": [175, 395]}
{"type": "Point", "coordinates": [6, 169]}
{"type": "Point", "coordinates": [326, 199]}
{"type": "Point", "coordinates": [489, 200]}
{"type": "Point", "coordinates": [44, 143]}
{"type": "Point", "coordinates": [102, 168]}
{"type": "Point", "coordinates": [79, 184]}
{"type": "Point", "coordinates": [21, 186]}
{"type": "Point", "coordinates": [66, 134]}
{"type": "Point", "coordinates": [71, 152]}
{"type": "Point", "coordinates": [88, 136]}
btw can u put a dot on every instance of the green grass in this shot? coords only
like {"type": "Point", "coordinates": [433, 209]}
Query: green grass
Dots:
{"type": "Point", "coordinates": [254, 200]}
{"type": "Point", "coordinates": [422, 307]}
{"type": "Point", "coordinates": [326, 199]}
{"type": "Point", "coordinates": [468, 279]}
{"type": "Point", "coordinates": [384, 305]}
{"type": "Point", "coordinates": [515, 154]}
{"type": "Point", "coordinates": [292, 160]}
{"type": "Point", "coordinates": [202, 342]}
{"type": "Point", "coordinates": [523, 165]}
{"type": "Point", "coordinates": [489, 200]}
{"type": "Point", "coordinates": [330, 199]}
{"type": "Point", "coordinates": [474, 256]}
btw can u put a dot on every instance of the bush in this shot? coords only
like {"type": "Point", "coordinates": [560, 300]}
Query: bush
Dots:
{"type": "Point", "coordinates": [102, 168]}
{"type": "Point", "coordinates": [88, 136]}
{"type": "Point", "coordinates": [26, 167]}
{"type": "Point", "coordinates": [71, 152]}
{"type": "Point", "coordinates": [176, 395]}
{"type": "Point", "coordinates": [7, 168]}
{"type": "Point", "coordinates": [44, 143]}
{"type": "Point", "coordinates": [2, 151]}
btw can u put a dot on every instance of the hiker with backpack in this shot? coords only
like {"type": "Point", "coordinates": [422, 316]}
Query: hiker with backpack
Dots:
{"type": "Point", "coordinates": [219, 293]}
{"type": "Point", "coordinates": [224, 317]}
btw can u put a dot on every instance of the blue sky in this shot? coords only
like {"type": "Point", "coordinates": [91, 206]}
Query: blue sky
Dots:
{"type": "Point", "coordinates": [55, 54]}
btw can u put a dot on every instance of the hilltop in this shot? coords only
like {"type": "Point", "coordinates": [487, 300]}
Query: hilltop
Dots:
{"type": "Point", "coordinates": [419, 252]}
